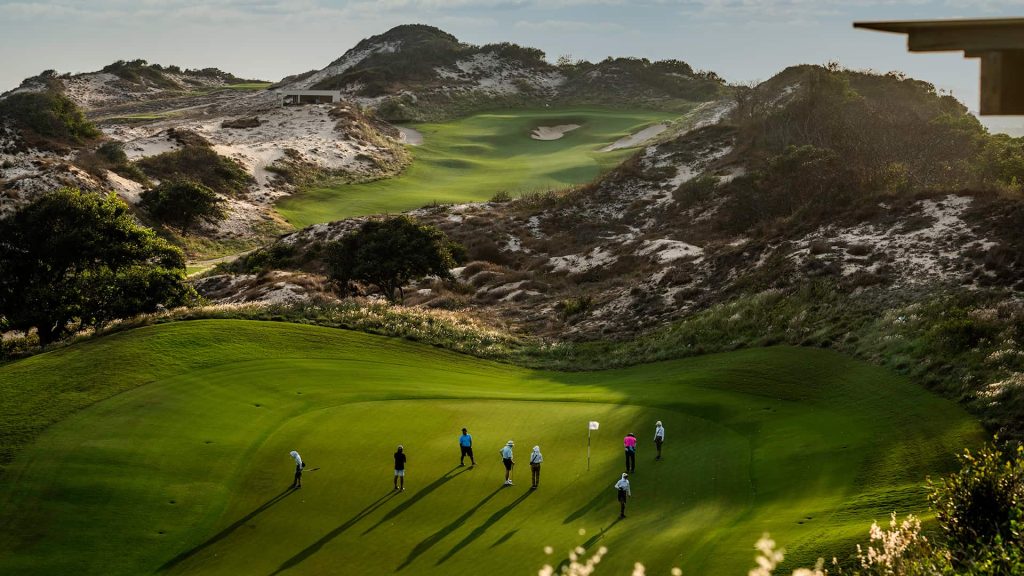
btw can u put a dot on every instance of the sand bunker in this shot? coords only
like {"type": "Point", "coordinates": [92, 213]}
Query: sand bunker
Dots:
{"type": "Point", "coordinates": [637, 138]}
{"type": "Point", "coordinates": [552, 132]}
{"type": "Point", "coordinates": [410, 136]}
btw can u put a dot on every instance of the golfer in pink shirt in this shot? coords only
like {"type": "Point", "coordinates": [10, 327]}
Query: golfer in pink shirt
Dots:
{"type": "Point", "coordinates": [630, 443]}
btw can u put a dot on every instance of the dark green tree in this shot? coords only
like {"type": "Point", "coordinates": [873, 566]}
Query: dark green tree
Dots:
{"type": "Point", "coordinates": [183, 203]}
{"type": "Point", "coordinates": [78, 259]}
{"type": "Point", "coordinates": [390, 254]}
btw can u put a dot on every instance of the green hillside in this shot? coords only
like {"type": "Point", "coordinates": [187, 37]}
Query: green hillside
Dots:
{"type": "Point", "coordinates": [471, 159]}
{"type": "Point", "coordinates": [170, 451]}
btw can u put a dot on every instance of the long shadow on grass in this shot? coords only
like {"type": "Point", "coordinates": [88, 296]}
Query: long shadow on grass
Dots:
{"type": "Point", "coordinates": [479, 530]}
{"type": "Point", "coordinates": [226, 532]}
{"type": "Point", "coordinates": [423, 492]}
{"type": "Point", "coordinates": [582, 511]}
{"type": "Point", "coordinates": [504, 538]}
{"type": "Point", "coordinates": [436, 537]}
{"type": "Point", "coordinates": [316, 546]}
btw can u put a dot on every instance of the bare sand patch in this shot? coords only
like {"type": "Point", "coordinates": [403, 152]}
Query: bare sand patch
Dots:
{"type": "Point", "coordinates": [552, 132]}
{"type": "Point", "coordinates": [410, 136]}
{"type": "Point", "coordinates": [636, 138]}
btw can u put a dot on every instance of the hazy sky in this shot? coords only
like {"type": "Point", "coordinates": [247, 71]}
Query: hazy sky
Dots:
{"type": "Point", "coordinates": [742, 40]}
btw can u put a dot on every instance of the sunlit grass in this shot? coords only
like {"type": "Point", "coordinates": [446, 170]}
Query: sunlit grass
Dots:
{"type": "Point", "coordinates": [471, 159]}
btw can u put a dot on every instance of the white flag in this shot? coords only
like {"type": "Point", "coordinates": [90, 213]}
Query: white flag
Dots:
{"type": "Point", "coordinates": [594, 425]}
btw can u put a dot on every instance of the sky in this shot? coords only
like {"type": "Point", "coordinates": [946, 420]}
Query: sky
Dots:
{"type": "Point", "coordinates": [742, 40]}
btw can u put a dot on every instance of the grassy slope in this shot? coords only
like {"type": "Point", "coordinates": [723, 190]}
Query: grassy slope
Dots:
{"type": "Point", "coordinates": [471, 159]}
{"type": "Point", "coordinates": [186, 458]}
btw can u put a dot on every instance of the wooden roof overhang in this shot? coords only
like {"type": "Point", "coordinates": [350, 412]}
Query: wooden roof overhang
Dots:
{"type": "Point", "coordinates": [999, 43]}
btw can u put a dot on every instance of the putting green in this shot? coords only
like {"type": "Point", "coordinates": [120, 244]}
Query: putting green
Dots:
{"type": "Point", "coordinates": [471, 159]}
{"type": "Point", "coordinates": [183, 468]}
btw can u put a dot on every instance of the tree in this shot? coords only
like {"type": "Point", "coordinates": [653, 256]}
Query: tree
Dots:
{"type": "Point", "coordinates": [390, 254]}
{"type": "Point", "coordinates": [182, 203]}
{"type": "Point", "coordinates": [78, 259]}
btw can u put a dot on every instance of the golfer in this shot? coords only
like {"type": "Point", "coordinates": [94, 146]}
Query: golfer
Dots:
{"type": "Point", "coordinates": [506, 459]}
{"type": "Point", "coordinates": [629, 442]}
{"type": "Point", "coordinates": [622, 486]}
{"type": "Point", "coordinates": [535, 460]}
{"type": "Point", "coordinates": [400, 469]}
{"type": "Point", "coordinates": [466, 445]}
{"type": "Point", "coordinates": [659, 437]}
{"type": "Point", "coordinates": [299, 465]}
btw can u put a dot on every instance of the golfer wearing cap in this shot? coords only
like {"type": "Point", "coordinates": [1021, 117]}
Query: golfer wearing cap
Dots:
{"type": "Point", "coordinates": [506, 459]}
{"type": "Point", "coordinates": [535, 461]}
{"type": "Point", "coordinates": [400, 469]}
{"type": "Point", "coordinates": [659, 437]}
{"type": "Point", "coordinates": [622, 486]}
{"type": "Point", "coordinates": [299, 465]}
{"type": "Point", "coordinates": [629, 442]}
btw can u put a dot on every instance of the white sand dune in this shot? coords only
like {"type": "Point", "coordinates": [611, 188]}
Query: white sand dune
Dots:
{"type": "Point", "coordinates": [552, 132]}
{"type": "Point", "coordinates": [410, 136]}
{"type": "Point", "coordinates": [637, 138]}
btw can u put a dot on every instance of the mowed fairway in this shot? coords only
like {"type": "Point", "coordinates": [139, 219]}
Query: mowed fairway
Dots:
{"type": "Point", "coordinates": [469, 160]}
{"type": "Point", "coordinates": [183, 468]}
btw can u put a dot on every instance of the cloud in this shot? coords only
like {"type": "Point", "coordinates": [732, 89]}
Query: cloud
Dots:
{"type": "Point", "coordinates": [568, 26]}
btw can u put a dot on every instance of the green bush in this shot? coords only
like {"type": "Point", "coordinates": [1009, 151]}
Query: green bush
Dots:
{"type": "Point", "coordinates": [50, 115]}
{"type": "Point", "coordinates": [140, 72]}
{"type": "Point", "coordinates": [110, 156]}
{"type": "Point", "coordinates": [113, 151]}
{"type": "Point", "coordinates": [183, 203]}
{"type": "Point", "coordinates": [396, 110]}
{"type": "Point", "coordinates": [201, 164]}
{"type": "Point", "coordinates": [574, 306]}
{"type": "Point", "coordinates": [957, 330]}
{"type": "Point", "coordinates": [981, 506]}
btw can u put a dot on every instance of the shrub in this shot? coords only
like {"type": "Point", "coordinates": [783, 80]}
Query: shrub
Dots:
{"type": "Point", "coordinates": [113, 152]}
{"type": "Point", "coordinates": [696, 190]}
{"type": "Point", "coordinates": [250, 122]}
{"type": "Point", "coordinates": [200, 164]}
{"type": "Point", "coordinates": [982, 505]}
{"type": "Point", "coordinates": [575, 306]}
{"type": "Point", "coordinates": [959, 331]}
{"type": "Point", "coordinates": [501, 196]}
{"type": "Point", "coordinates": [396, 110]}
{"type": "Point", "coordinates": [110, 156]}
{"type": "Point", "coordinates": [50, 115]}
{"type": "Point", "coordinates": [183, 203]}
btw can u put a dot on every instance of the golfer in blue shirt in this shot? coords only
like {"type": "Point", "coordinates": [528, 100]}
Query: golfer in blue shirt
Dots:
{"type": "Point", "coordinates": [466, 445]}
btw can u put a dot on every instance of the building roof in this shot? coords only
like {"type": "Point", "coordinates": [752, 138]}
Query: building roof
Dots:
{"type": "Point", "coordinates": [998, 43]}
{"type": "Point", "coordinates": [966, 35]}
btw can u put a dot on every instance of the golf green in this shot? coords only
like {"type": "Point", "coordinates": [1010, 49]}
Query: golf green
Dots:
{"type": "Point", "coordinates": [471, 159]}
{"type": "Point", "coordinates": [172, 456]}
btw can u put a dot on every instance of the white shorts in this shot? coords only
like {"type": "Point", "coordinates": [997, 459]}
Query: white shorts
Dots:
{"type": "Point", "coordinates": [400, 473]}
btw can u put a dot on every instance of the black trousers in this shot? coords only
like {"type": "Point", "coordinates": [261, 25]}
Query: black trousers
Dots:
{"type": "Point", "coordinates": [630, 460]}
{"type": "Point", "coordinates": [466, 451]}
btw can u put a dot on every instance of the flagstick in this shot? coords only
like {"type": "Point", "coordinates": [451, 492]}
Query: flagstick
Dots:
{"type": "Point", "coordinates": [588, 448]}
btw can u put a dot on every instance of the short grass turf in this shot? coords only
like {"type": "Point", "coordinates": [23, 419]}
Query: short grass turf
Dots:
{"type": "Point", "coordinates": [471, 159]}
{"type": "Point", "coordinates": [168, 453]}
